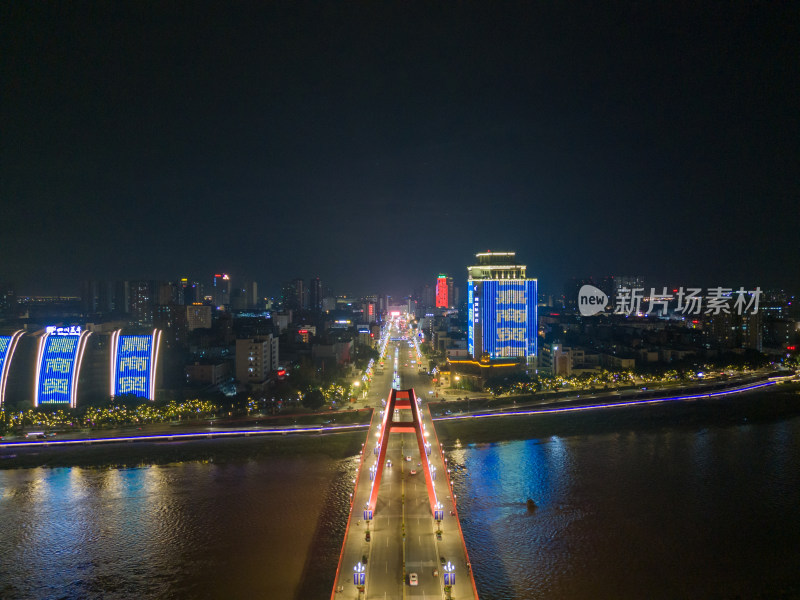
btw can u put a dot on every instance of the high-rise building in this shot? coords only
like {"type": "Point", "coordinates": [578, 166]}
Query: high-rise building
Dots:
{"type": "Point", "coordinates": [221, 289]}
{"type": "Point", "coordinates": [315, 294]}
{"type": "Point", "coordinates": [300, 292]}
{"type": "Point", "coordinates": [630, 282]}
{"type": "Point", "coordinates": [293, 294]}
{"type": "Point", "coordinates": [122, 297]}
{"type": "Point", "coordinates": [426, 295]}
{"type": "Point", "coordinates": [97, 297]}
{"type": "Point", "coordinates": [192, 291]}
{"type": "Point", "coordinates": [141, 299]}
{"type": "Point", "coordinates": [444, 291]}
{"type": "Point", "coordinates": [164, 292]}
{"type": "Point", "coordinates": [198, 316]}
{"type": "Point", "coordinates": [8, 299]}
{"type": "Point", "coordinates": [502, 305]}
{"type": "Point", "coordinates": [251, 288]}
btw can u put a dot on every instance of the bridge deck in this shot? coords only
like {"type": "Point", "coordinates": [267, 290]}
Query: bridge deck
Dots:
{"type": "Point", "coordinates": [403, 536]}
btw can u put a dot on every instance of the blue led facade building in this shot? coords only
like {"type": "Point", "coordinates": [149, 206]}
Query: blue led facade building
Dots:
{"type": "Point", "coordinates": [502, 304]}
{"type": "Point", "coordinates": [134, 359]}
{"type": "Point", "coordinates": [59, 364]}
{"type": "Point", "coordinates": [8, 343]}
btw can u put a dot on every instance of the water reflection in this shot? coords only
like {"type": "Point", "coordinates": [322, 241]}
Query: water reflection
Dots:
{"type": "Point", "coordinates": [675, 513]}
{"type": "Point", "coordinates": [188, 530]}
{"type": "Point", "coordinates": [708, 513]}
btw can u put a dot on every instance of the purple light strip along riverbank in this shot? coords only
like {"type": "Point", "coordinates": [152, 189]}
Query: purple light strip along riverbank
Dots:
{"type": "Point", "coordinates": [342, 428]}
{"type": "Point", "coordinates": [173, 436]}
{"type": "Point", "coordinates": [542, 411]}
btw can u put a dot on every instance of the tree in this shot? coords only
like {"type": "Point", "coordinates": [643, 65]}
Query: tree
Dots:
{"type": "Point", "coordinates": [313, 399]}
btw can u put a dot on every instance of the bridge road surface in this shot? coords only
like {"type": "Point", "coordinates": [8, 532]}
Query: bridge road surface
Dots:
{"type": "Point", "coordinates": [385, 576]}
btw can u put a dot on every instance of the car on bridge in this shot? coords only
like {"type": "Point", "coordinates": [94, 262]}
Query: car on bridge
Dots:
{"type": "Point", "coordinates": [413, 579]}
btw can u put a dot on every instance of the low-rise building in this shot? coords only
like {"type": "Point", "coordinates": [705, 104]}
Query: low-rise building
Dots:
{"type": "Point", "coordinates": [206, 373]}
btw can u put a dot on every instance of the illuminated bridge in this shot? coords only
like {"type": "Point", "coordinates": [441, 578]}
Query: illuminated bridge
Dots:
{"type": "Point", "coordinates": [403, 537]}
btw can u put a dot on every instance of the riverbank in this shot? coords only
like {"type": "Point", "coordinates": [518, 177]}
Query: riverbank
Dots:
{"type": "Point", "coordinates": [248, 440]}
{"type": "Point", "coordinates": [143, 453]}
{"type": "Point", "coordinates": [769, 404]}
{"type": "Point", "coordinates": [283, 497]}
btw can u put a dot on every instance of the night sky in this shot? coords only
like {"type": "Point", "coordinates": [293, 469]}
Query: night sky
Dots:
{"type": "Point", "coordinates": [377, 144]}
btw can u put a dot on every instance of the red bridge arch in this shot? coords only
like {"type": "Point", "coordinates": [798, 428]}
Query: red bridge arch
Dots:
{"type": "Point", "coordinates": [402, 400]}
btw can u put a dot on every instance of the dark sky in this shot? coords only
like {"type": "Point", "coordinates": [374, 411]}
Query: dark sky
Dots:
{"type": "Point", "coordinates": [377, 144]}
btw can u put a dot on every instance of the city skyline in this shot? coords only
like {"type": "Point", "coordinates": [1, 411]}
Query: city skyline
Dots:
{"type": "Point", "coordinates": [277, 142]}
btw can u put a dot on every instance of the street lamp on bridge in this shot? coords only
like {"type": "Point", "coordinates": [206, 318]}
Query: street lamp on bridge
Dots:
{"type": "Point", "coordinates": [449, 578]}
{"type": "Point", "coordinates": [367, 517]}
{"type": "Point", "coordinates": [359, 577]}
{"type": "Point", "coordinates": [438, 515]}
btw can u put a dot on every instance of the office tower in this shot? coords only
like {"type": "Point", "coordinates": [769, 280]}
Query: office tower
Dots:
{"type": "Point", "coordinates": [502, 304]}
{"type": "Point", "coordinates": [141, 303]}
{"type": "Point", "coordinates": [315, 294]}
{"type": "Point", "coordinates": [444, 291]}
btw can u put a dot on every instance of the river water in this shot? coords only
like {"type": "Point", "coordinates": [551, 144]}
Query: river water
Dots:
{"type": "Point", "coordinates": [185, 530]}
{"type": "Point", "coordinates": [713, 513]}
{"type": "Point", "coordinates": [700, 511]}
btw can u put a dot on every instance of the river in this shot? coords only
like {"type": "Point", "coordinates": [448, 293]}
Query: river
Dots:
{"type": "Point", "coordinates": [693, 507]}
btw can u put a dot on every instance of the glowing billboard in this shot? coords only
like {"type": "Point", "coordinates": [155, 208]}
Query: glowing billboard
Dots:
{"type": "Point", "coordinates": [8, 344]}
{"type": "Point", "coordinates": [502, 320]}
{"type": "Point", "coordinates": [442, 299]}
{"type": "Point", "coordinates": [59, 365]}
{"type": "Point", "coordinates": [133, 364]}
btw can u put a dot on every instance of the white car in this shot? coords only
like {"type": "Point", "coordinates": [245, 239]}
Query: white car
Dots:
{"type": "Point", "coordinates": [412, 579]}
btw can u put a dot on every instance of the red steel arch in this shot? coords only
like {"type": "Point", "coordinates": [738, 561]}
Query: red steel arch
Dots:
{"type": "Point", "coordinates": [402, 400]}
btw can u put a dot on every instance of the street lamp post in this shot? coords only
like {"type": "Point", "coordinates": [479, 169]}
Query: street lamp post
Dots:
{"type": "Point", "coordinates": [367, 517]}
{"type": "Point", "coordinates": [449, 578]}
{"type": "Point", "coordinates": [359, 578]}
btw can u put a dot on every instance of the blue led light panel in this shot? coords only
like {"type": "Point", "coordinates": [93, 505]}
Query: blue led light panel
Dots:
{"type": "Point", "coordinates": [471, 318]}
{"type": "Point", "coordinates": [133, 368]}
{"type": "Point", "coordinates": [56, 369]}
{"type": "Point", "coordinates": [509, 318]}
{"type": "Point", "coordinates": [5, 345]}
